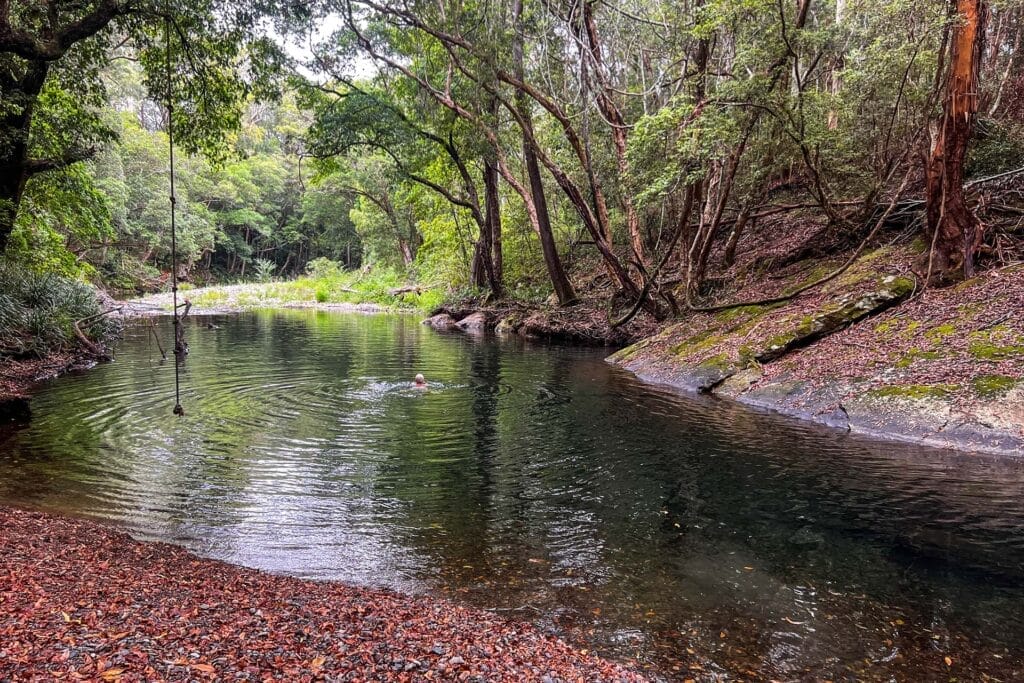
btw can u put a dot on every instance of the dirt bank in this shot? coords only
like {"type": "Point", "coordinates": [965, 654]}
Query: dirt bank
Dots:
{"type": "Point", "coordinates": [867, 353]}
{"type": "Point", "coordinates": [19, 376]}
{"type": "Point", "coordinates": [79, 600]}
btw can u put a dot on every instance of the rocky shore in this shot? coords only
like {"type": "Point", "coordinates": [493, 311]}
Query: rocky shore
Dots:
{"type": "Point", "coordinates": [869, 354]}
{"type": "Point", "coordinates": [85, 602]}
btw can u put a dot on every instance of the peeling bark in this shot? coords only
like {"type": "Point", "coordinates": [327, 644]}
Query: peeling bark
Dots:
{"type": "Point", "coordinates": [955, 231]}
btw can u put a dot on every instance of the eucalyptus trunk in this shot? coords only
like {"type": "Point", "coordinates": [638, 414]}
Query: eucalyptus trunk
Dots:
{"type": "Point", "coordinates": [955, 231]}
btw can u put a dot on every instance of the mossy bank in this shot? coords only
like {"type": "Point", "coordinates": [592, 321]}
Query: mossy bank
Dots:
{"type": "Point", "coordinates": [867, 353]}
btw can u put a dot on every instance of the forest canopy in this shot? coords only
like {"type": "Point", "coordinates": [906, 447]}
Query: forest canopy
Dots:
{"type": "Point", "coordinates": [520, 149]}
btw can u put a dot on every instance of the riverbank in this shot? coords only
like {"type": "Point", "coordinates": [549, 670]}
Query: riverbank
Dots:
{"type": "Point", "coordinates": [49, 325]}
{"type": "Point", "coordinates": [866, 353]}
{"type": "Point", "coordinates": [19, 376]}
{"type": "Point", "coordinates": [327, 287]}
{"type": "Point", "coordinates": [81, 600]}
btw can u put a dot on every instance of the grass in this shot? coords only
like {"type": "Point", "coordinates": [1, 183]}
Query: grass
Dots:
{"type": "Point", "coordinates": [323, 285]}
{"type": "Point", "coordinates": [38, 312]}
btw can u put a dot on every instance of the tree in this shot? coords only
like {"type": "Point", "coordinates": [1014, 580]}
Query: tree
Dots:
{"type": "Point", "coordinates": [956, 232]}
{"type": "Point", "coordinates": [47, 44]}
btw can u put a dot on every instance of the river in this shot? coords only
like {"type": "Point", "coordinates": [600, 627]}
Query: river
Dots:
{"type": "Point", "coordinates": [695, 537]}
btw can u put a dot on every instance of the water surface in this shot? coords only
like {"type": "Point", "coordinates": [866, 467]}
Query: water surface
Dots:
{"type": "Point", "coordinates": [697, 538]}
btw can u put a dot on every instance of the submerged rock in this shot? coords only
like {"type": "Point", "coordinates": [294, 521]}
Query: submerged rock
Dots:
{"type": "Point", "coordinates": [474, 322]}
{"type": "Point", "coordinates": [807, 536]}
{"type": "Point", "coordinates": [509, 325]}
{"type": "Point", "coordinates": [441, 321]}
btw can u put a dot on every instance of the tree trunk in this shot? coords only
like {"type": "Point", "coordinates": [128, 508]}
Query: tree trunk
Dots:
{"type": "Point", "coordinates": [19, 96]}
{"type": "Point", "coordinates": [556, 272]}
{"type": "Point", "coordinates": [492, 200]}
{"type": "Point", "coordinates": [482, 270]}
{"type": "Point", "coordinates": [615, 119]}
{"type": "Point", "coordinates": [836, 78]}
{"type": "Point", "coordinates": [993, 109]}
{"type": "Point", "coordinates": [955, 231]}
{"type": "Point", "coordinates": [406, 249]}
{"type": "Point", "coordinates": [737, 233]}
{"type": "Point", "coordinates": [492, 219]}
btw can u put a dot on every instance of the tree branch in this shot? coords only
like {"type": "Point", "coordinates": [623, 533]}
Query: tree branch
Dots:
{"type": "Point", "coordinates": [71, 156]}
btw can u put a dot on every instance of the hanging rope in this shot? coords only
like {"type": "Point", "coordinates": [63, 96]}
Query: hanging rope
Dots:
{"type": "Point", "coordinates": [179, 339]}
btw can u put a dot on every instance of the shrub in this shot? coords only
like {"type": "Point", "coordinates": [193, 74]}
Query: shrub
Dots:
{"type": "Point", "coordinates": [323, 268]}
{"type": "Point", "coordinates": [38, 313]}
{"type": "Point", "coordinates": [264, 269]}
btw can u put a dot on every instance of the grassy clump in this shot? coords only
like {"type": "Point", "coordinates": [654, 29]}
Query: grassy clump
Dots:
{"type": "Point", "coordinates": [38, 312]}
{"type": "Point", "coordinates": [326, 283]}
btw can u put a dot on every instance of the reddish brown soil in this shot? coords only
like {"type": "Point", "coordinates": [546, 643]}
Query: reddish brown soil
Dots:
{"type": "Point", "coordinates": [927, 341]}
{"type": "Point", "coordinates": [80, 601]}
{"type": "Point", "coordinates": [18, 375]}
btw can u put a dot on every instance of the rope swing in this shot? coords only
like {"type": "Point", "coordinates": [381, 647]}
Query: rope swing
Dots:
{"type": "Point", "coordinates": [180, 348]}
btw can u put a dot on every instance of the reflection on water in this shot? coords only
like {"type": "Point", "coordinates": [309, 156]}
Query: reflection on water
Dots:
{"type": "Point", "coordinates": [701, 539]}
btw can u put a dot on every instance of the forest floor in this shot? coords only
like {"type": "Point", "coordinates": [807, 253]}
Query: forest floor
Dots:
{"type": "Point", "coordinates": [869, 351]}
{"type": "Point", "coordinates": [86, 602]}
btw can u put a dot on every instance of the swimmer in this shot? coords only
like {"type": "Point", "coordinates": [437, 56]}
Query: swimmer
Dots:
{"type": "Point", "coordinates": [421, 382]}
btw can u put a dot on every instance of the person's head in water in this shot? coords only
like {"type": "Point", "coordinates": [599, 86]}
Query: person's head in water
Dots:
{"type": "Point", "coordinates": [421, 381]}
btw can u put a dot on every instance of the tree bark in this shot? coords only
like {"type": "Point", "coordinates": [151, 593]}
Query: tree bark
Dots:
{"type": "Point", "coordinates": [955, 231]}
{"type": "Point", "coordinates": [486, 248]}
{"type": "Point", "coordinates": [492, 201]}
{"type": "Point", "coordinates": [556, 271]}
{"type": "Point", "coordinates": [20, 95]}
{"type": "Point", "coordinates": [613, 116]}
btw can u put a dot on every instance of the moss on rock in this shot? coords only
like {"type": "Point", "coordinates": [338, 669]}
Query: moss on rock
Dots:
{"type": "Point", "coordinates": [914, 392]}
{"type": "Point", "coordinates": [993, 385]}
{"type": "Point", "coordinates": [988, 350]}
{"type": "Point", "coordinates": [915, 355]}
{"type": "Point", "coordinates": [940, 332]}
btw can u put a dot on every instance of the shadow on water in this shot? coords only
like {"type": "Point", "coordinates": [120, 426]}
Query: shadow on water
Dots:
{"type": "Point", "coordinates": [699, 538]}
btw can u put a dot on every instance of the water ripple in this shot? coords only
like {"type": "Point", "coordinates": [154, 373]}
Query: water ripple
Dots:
{"type": "Point", "coordinates": [539, 480]}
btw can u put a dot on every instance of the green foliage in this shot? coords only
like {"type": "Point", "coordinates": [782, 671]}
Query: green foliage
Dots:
{"type": "Point", "coordinates": [61, 213]}
{"type": "Point", "coordinates": [38, 312]}
{"type": "Point", "coordinates": [323, 269]}
{"type": "Point", "coordinates": [264, 269]}
{"type": "Point", "coordinates": [998, 146]}
{"type": "Point", "coordinates": [280, 175]}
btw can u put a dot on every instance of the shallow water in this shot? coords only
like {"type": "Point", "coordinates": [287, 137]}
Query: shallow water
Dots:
{"type": "Point", "coordinates": [698, 538]}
